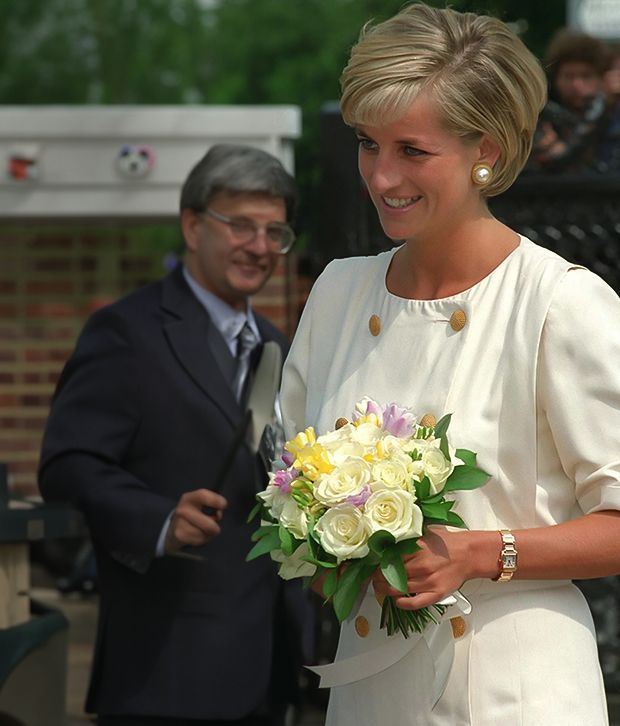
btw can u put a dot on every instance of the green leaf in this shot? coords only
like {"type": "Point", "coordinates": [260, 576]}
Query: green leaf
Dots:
{"type": "Point", "coordinates": [444, 447]}
{"type": "Point", "coordinates": [329, 583]}
{"type": "Point", "coordinates": [270, 541]}
{"type": "Point", "coordinates": [441, 426]}
{"type": "Point", "coordinates": [393, 569]}
{"type": "Point", "coordinates": [423, 488]}
{"type": "Point", "coordinates": [466, 456]}
{"type": "Point", "coordinates": [466, 477]}
{"type": "Point", "coordinates": [432, 500]}
{"type": "Point", "coordinates": [255, 510]}
{"type": "Point", "coordinates": [439, 510]}
{"type": "Point", "coordinates": [262, 531]}
{"type": "Point", "coordinates": [297, 543]}
{"type": "Point", "coordinates": [286, 540]}
{"type": "Point", "coordinates": [407, 546]}
{"type": "Point", "coordinates": [380, 540]}
{"type": "Point", "coordinates": [347, 590]}
{"type": "Point", "coordinates": [319, 563]}
{"type": "Point", "coordinates": [455, 521]}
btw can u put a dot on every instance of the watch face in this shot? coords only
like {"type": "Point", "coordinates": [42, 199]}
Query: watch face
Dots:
{"type": "Point", "coordinates": [509, 562]}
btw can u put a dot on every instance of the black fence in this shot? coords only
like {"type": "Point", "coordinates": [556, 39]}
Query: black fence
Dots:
{"type": "Point", "coordinates": [576, 216]}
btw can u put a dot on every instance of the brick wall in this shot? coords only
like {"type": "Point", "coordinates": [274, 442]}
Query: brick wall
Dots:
{"type": "Point", "coordinates": [51, 279]}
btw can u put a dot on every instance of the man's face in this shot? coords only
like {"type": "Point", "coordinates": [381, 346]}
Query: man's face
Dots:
{"type": "Point", "coordinates": [576, 83]}
{"type": "Point", "coordinates": [217, 260]}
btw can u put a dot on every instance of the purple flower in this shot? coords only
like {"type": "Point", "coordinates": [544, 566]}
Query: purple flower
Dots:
{"type": "Point", "coordinates": [398, 421]}
{"type": "Point", "coordinates": [288, 458]}
{"type": "Point", "coordinates": [371, 407]}
{"type": "Point", "coordinates": [358, 500]}
{"type": "Point", "coordinates": [283, 479]}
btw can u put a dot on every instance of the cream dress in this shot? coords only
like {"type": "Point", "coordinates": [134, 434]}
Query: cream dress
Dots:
{"type": "Point", "coordinates": [533, 383]}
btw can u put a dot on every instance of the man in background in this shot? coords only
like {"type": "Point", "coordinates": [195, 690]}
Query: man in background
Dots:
{"type": "Point", "coordinates": [143, 421]}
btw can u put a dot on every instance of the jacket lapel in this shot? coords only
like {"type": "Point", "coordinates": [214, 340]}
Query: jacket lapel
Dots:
{"type": "Point", "coordinates": [190, 334]}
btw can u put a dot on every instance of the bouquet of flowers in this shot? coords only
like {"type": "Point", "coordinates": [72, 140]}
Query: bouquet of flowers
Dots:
{"type": "Point", "coordinates": [359, 497]}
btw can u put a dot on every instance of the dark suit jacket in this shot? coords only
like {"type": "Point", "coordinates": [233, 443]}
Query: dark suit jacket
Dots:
{"type": "Point", "coordinates": [142, 414]}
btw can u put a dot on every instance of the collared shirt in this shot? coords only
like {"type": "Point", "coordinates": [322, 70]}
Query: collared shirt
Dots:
{"type": "Point", "coordinates": [225, 318]}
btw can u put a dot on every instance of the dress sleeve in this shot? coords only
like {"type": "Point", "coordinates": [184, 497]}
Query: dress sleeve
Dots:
{"type": "Point", "coordinates": [294, 388]}
{"type": "Point", "coordinates": [579, 386]}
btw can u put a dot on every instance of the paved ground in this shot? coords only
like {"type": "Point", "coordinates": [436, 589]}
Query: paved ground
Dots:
{"type": "Point", "coordinates": [81, 614]}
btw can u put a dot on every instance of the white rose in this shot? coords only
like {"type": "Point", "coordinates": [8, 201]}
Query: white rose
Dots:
{"type": "Point", "coordinates": [294, 565]}
{"type": "Point", "coordinates": [392, 473]}
{"type": "Point", "coordinates": [419, 445]}
{"type": "Point", "coordinates": [367, 434]}
{"type": "Point", "coordinates": [334, 439]}
{"type": "Point", "coordinates": [394, 510]}
{"type": "Point", "coordinates": [417, 470]}
{"type": "Point", "coordinates": [389, 444]}
{"type": "Point", "coordinates": [274, 500]}
{"type": "Point", "coordinates": [436, 467]}
{"type": "Point", "coordinates": [294, 519]}
{"type": "Point", "coordinates": [344, 481]}
{"type": "Point", "coordinates": [343, 532]}
{"type": "Point", "coordinates": [340, 445]}
{"type": "Point", "coordinates": [348, 450]}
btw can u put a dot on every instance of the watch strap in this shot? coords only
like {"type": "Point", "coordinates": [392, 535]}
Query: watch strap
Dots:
{"type": "Point", "coordinates": [507, 556]}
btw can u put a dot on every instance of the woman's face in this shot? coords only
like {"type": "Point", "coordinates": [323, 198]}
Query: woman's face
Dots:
{"type": "Point", "coordinates": [419, 175]}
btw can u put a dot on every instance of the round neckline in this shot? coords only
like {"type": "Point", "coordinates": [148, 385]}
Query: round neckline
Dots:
{"type": "Point", "coordinates": [465, 292]}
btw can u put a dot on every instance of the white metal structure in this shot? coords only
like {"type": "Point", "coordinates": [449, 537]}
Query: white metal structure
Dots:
{"type": "Point", "coordinates": [65, 162]}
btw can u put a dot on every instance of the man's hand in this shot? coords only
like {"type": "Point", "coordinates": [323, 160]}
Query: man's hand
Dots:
{"type": "Point", "coordinates": [548, 144]}
{"type": "Point", "coordinates": [190, 525]}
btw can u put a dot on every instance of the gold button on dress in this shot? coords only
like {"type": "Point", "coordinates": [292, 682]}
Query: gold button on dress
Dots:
{"type": "Point", "coordinates": [362, 627]}
{"type": "Point", "coordinates": [374, 325]}
{"type": "Point", "coordinates": [458, 320]}
{"type": "Point", "coordinates": [458, 627]}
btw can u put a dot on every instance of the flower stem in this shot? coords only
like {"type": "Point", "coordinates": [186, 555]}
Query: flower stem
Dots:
{"type": "Point", "coordinates": [395, 619]}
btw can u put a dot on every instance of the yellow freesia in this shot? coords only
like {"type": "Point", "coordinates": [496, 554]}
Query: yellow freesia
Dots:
{"type": "Point", "coordinates": [313, 460]}
{"type": "Point", "coordinates": [303, 439]}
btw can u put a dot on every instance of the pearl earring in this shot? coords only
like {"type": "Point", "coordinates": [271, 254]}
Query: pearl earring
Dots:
{"type": "Point", "coordinates": [481, 174]}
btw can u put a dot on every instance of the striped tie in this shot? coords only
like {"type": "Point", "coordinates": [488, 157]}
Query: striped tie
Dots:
{"type": "Point", "coordinates": [246, 342]}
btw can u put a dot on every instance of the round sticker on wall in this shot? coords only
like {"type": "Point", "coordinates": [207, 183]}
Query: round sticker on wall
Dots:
{"type": "Point", "coordinates": [135, 161]}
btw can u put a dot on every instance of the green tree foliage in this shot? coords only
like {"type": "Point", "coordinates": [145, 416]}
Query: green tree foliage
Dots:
{"type": "Point", "coordinates": [208, 51]}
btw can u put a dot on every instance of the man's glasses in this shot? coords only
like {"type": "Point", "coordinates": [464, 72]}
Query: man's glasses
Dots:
{"type": "Point", "coordinates": [280, 237]}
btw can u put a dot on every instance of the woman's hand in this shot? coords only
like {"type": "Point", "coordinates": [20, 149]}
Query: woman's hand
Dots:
{"type": "Point", "coordinates": [442, 565]}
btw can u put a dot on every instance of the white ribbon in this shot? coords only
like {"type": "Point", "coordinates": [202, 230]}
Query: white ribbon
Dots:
{"type": "Point", "coordinates": [438, 638]}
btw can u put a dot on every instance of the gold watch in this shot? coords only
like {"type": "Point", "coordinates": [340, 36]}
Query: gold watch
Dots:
{"type": "Point", "coordinates": [507, 557]}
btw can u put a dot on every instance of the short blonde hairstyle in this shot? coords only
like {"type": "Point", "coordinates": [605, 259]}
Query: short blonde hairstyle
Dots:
{"type": "Point", "coordinates": [481, 77]}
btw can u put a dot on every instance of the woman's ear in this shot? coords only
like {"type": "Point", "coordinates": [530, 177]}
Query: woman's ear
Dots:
{"type": "Point", "coordinates": [489, 150]}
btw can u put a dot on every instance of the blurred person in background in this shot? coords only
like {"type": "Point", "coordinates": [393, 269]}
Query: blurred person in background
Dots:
{"type": "Point", "coordinates": [146, 412]}
{"type": "Point", "coordinates": [573, 133]}
{"type": "Point", "coordinates": [610, 143]}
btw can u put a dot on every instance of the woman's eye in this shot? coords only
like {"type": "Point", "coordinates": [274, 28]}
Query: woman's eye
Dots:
{"type": "Point", "coordinates": [366, 144]}
{"type": "Point", "coordinates": [413, 151]}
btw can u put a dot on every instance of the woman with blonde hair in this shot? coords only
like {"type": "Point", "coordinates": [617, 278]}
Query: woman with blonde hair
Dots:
{"type": "Point", "coordinates": [472, 319]}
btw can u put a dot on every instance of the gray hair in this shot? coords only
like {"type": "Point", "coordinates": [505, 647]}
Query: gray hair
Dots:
{"type": "Point", "coordinates": [237, 169]}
